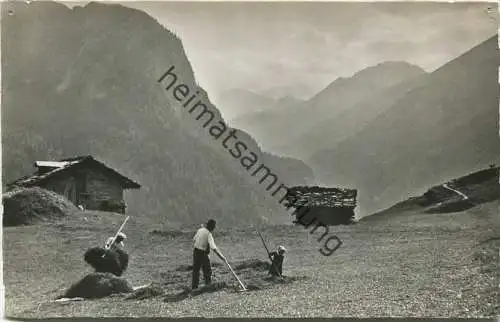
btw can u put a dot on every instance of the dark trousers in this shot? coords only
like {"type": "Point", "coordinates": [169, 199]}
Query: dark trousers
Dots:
{"type": "Point", "coordinates": [201, 260]}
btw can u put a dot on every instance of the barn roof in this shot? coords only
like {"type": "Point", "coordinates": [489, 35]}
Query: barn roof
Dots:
{"type": "Point", "coordinates": [47, 169]}
{"type": "Point", "coordinates": [315, 196]}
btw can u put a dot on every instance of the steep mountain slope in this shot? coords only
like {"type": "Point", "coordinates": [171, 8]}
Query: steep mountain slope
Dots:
{"type": "Point", "coordinates": [443, 127]}
{"type": "Point", "coordinates": [237, 103]}
{"type": "Point", "coordinates": [283, 130]}
{"type": "Point", "coordinates": [331, 131]}
{"type": "Point", "coordinates": [84, 81]}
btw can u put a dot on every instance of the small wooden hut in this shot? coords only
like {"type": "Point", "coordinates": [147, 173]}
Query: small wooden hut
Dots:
{"type": "Point", "coordinates": [83, 180]}
{"type": "Point", "coordinates": [329, 206]}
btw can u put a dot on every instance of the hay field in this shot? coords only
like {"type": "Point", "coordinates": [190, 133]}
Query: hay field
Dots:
{"type": "Point", "coordinates": [412, 265]}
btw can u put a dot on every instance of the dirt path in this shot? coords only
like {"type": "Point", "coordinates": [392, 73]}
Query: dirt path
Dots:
{"type": "Point", "coordinates": [465, 197]}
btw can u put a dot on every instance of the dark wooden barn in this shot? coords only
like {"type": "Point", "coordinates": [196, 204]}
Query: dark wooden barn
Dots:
{"type": "Point", "coordinates": [83, 180]}
{"type": "Point", "coordinates": [329, 206]}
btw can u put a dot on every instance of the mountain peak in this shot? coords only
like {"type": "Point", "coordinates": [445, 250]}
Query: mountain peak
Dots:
{"type": "Point", "coordinates": [374, 78]}
{"type": "Point", "coordinates": [398, 69]}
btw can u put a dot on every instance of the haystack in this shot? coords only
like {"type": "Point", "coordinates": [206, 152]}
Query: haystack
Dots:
{"type": "Point", "coordinates": [187, 268]}
{"type": "Point", "coordinates": [253, 272]}
{"type": "Point", "coordinates": [98, 285]}
{"type": "Point", "coordinates": [214, 287]}
{"type": "Point", "coordinates": [114, 261]}
{"type": "Point", "coordinates": [255, 264]}
{"type": "Point", "coordinates": [26, 206]}
{"type": "Point", "coordinates": [145, 293]}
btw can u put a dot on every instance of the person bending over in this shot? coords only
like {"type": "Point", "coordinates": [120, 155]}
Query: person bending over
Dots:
{"type": "Point", "coordinates": [277, 258]}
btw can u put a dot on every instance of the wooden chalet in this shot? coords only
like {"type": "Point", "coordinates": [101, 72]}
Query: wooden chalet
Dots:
{"type": "Point", "coordinates": [329, 206]}
{"type": "Point", "coordinates": [83, 180]}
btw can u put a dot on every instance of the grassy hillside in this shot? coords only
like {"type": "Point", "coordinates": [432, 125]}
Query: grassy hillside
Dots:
{"type": "Point", "coordinates": [413, 265]}
{"type": "Point", "coordinates": [453, 196]}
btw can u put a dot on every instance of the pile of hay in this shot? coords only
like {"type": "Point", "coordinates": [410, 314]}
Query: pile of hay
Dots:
{"type": "Point", "coordinates": [173, 286]}
{"type": "Point", "coordinates": [253, 273]}
{"type": "Point", "coordinates": [187, 268]}
{"type": "Point", "coordinates": [145, 293]}
{"type": "Point", "coordinates": [98, 285]}
{"type": "Point", "coordinates": [26, 206]}
{"type": "Point", "coordinates": [255, 264]}
{"type": "Point", "coordinates": [214, 287]}
{"type": "Point", "coordinates": [113, 261]}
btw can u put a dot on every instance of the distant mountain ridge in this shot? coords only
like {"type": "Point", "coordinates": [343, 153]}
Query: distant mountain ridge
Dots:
{"type": "Point", "coordinates": [84, 82]}
{"type": "Point", "coordinates": [333, 130]}
{"type": "Point", "coordinates": [294, 130]}
{"type": "Point", "coordinates": [445, 125]}
{"type": "Point", "coordinates": [236, 104]}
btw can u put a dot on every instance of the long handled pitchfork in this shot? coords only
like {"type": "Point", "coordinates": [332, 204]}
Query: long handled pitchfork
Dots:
{"type": "Point", "coordinates": [239, 281]}
{"type": "Point", "coordinates": [234, 274]}
{"type": "Point", "coordinates": [268, 254]}
{"type": "Point", "coordinates": [116, 235]}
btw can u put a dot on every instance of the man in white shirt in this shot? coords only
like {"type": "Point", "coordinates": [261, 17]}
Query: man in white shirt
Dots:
{"type": "Point", "coordinates": [203, 242]}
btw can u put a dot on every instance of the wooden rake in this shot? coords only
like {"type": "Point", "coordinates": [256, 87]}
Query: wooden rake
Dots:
{"type": "Point", "coordinates": [243, 288]}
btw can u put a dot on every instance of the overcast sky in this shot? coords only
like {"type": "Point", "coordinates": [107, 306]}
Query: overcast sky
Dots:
{"type": "Point", "coordinates": [301, 47]}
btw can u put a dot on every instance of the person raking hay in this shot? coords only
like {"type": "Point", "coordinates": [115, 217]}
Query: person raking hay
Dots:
{"type": "Point", "coordinates": [277, 258]}
{"type": "Point", "coordinates": [203, 243]}
{"type": "Point", "coordinates": [111, 258]}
